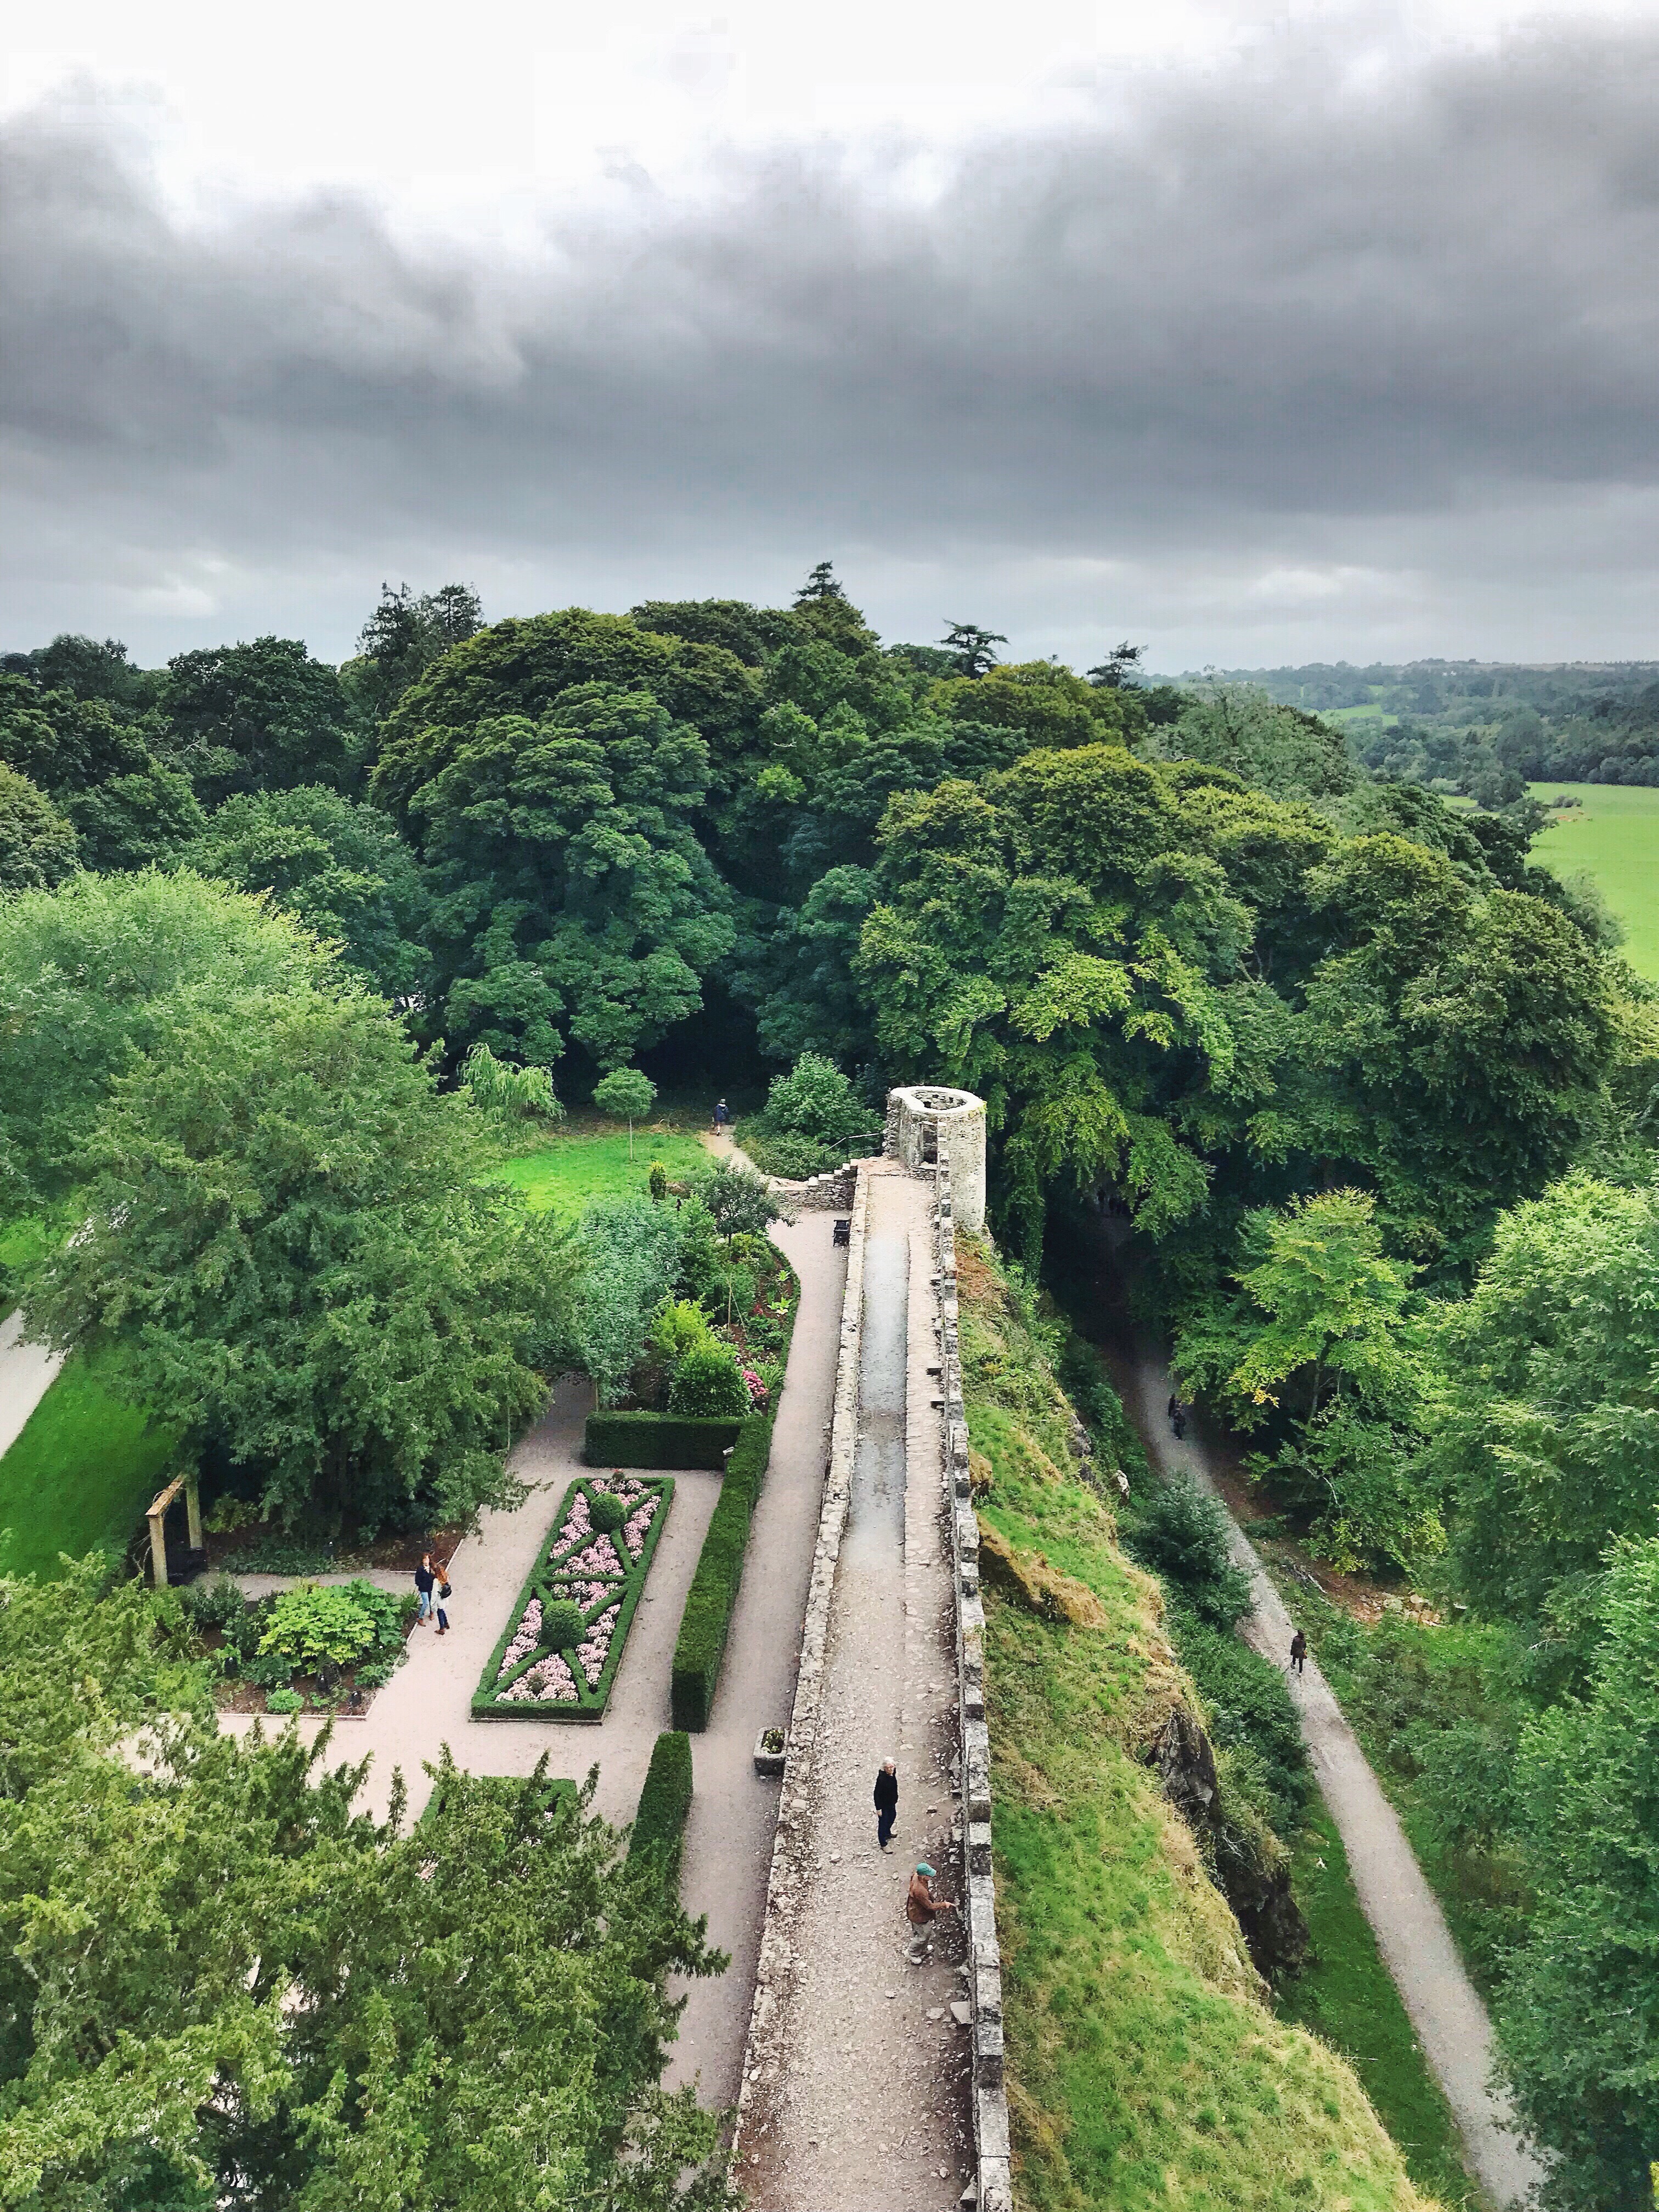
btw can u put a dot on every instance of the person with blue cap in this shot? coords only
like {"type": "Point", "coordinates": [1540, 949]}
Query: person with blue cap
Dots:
{"type": "Point", "coordinates": [922, 1908]}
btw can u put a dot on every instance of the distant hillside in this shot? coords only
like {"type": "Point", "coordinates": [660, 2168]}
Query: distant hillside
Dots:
{"type": "Point", "coordinates": [1487, 728]}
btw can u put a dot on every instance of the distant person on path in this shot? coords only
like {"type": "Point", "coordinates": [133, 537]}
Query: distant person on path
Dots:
{"type": "Point", "coordinates": [443, 1600]}
{"type": "Point", "coordinates": [722, 1115]}
{"type": "Point", "coordinates": [922, 1908]}
{"type": "Point", "coordinates": [1298, 1652]}
{"type": "Point", "coordinates": [1174, 1405]}
{"type": "Point", "coordinates": [1179, 1420]}
{"type": "Point", "coordinates": [886, 1802]}
{"type": "Point", "coordinates": [424, 1579]}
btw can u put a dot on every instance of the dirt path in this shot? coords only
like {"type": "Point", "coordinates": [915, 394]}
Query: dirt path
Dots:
{"type": "Point", "coordinates": [871, 2111]}
{"type": "Point", "coordinates": [26, 1373]}
{"type": "Point", "coordinates": [1411, 1931]}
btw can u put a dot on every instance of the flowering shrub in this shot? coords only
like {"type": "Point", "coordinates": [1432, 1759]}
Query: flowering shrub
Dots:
{"type": "Point", "coordinates": [755, 1386]}
{"type": "Point", "coordinates": [559, 1654]}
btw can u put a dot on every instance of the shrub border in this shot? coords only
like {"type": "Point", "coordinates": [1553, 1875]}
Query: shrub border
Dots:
{"type": "Point", "coordinates": [665, 1798]}
{"type": "Point", "coordinates": [659, 1440]}
{"type": "Point", "coordinates": [487, 1706]}
{"type": "Point", "coordinates": [706, 1622]}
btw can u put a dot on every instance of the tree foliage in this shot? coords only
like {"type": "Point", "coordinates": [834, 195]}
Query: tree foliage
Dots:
{"type": "Point", "coordinates": [285, 1235]}
{"type": "Point", "coordinates": [221, 1986]}
{"type": "Point", "coordinates": [38, 845]}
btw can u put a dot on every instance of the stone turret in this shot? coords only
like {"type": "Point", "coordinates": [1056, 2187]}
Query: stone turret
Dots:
{"type": "Point", "coordinates": [927, 1123]}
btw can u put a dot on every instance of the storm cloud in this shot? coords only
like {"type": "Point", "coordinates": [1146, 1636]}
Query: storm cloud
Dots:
{"type": "Point", "coordinates": [1292, 351]}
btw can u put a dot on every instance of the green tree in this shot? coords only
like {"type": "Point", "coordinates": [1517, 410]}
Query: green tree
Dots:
{"type": "Point", "coordinates": [222, 1986]}
{"type": "Point", "coordinates": [496, 1087]}
{"type": "Point", "coordinates": [63, 743]}
{"type": "Point", "coordinates": [1548, 1438]}
{"type": "Point", "coordinates": [1278, 749]}
{"type": "Point", "coordinates": [634, 1253]}
{"type": "Point", "coordinates": [258, 717]}
{"type": "Point", "coordinates": [405, 634]}
{"type": "Point", "coordinates": [740, 1202]}
{"type": "Point", "coordinates": [150, 817]}
{"type": "Point", "coordinates": [1576, 2024]}
{"type": "Point", "coordinates": [816, 1100]}
{"type": "Point", "coordinates": [1331, 1298]}
{"type": "Point", "coordinates": [38, 845]}
{"type": "Point", "coordinates": [286, 1234]}
{"type": "Point", "coordinates": [522, 668]}
{"type": "Point", "coordinates": [1464, 1041]}
{"type": "Point", "coordinates": [87, 972]}
{"type": "Point", "coordinates": [338, 867]}
{"type": "Point", "coordinates": [626, 1096]}
{"type": "Point", "coordinates": [971, 644]}
{"type": "Point", "coordinates": [574, 898]}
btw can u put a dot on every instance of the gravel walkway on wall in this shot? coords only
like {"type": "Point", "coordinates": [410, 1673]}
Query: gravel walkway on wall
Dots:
{"type": "Point", "coordinates": [1411, 1929]}
{"type": "Point", "coordinates": [871, 2110]}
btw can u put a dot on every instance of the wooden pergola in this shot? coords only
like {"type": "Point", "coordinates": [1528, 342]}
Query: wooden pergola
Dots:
{"type": "Point", "coordinates": [157, 1518]}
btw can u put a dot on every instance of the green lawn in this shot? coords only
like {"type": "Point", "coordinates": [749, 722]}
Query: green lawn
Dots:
{"type": "Point", "coordinates": [1348, 1998]}
{"type": "Point", "coordinates": [1614, 836]}
{"type": "Point", "coordinates": [573, 1169]}
{"type": "Point", "coordinates": [80, 1475]}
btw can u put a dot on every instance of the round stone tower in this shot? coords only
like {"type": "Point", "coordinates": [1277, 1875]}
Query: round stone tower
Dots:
{"type": "Point", "coordinates": [928, 1123]}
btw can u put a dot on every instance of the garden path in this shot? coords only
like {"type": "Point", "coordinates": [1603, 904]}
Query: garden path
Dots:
{"type": "Point", "coordinates": [427, 1702]}
{"type": "Point", "coordinates": [728, 1843]}
{"type": "Point", "coordinates": [872, 2110]}
{"type": "Point", "coordinates": [26, 1373]}
{"type": "Point", "coordinates": [728, 1837]}
{"type": "Point", "coordinates": [1411, 1931]}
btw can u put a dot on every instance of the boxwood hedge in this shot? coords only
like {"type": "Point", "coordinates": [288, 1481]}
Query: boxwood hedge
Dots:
{"type": "Point", "coordinates": [657, 1440]}
{"type": "Point", "coordinates": [666, 1799]}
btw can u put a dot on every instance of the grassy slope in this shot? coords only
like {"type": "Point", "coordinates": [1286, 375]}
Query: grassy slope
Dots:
{"type": "Point", "coordinates": [1145, 2066]}
{"type": "Point", "coordinates": [1348, 1996]}
{"type": "Point", "coordinates": [571, 1170]}
{"type": "Point", "coordinates": [79, 1476]}
{"type": "Point", "coordinates": [1614, 835]}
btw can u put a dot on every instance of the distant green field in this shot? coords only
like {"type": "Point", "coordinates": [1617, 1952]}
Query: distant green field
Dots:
{"type": "Point", "coordinates": [1614, 836]}
{"type": "Point", "coordinates": [79, 1476]}
{"type": "Point", "coordinates": [573, 1169]}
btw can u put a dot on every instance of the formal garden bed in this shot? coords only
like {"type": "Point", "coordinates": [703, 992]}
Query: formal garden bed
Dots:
{"type": "Point", "coordinates": [315, 1648]}
{"type": "Point", "coordinates": [558, 1655]}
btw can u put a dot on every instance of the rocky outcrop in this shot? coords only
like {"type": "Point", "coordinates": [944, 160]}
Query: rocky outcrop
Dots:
{"type": "Point", "coordinates": [1251, 1866]}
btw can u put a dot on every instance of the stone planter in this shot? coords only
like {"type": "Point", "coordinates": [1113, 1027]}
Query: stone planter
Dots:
{"type": "Point", "coordinates": [770, 1762]}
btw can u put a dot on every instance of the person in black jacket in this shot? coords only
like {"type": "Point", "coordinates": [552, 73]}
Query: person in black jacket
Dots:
{"type": "Point", "coordinates": [1298, 1652]}
{"type": "Point", "coordinates": [886, 1802]}
{"type": "Point", "coordinates": [424, 1579]}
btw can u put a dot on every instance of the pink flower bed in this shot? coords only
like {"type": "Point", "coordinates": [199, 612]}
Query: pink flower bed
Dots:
{"type": "Point", "coordinates": [593, 1570]}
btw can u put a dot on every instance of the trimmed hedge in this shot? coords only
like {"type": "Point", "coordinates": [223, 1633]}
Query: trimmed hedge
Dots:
{"type": "Point", "coordinates": [666, 1799]}
{"type": "Point", "coordinates": [713, 1596]}
{"type": "Point", "coordinates": [657, 1440]}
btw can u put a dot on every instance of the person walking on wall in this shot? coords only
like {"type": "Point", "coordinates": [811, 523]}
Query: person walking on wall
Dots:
{"type": "Point", "coordinates": [424, 1581]}
{"type": "Point", "coordinates": [443, 1600]}
{"type": "Point", "coordinates": [1298, 1652]}
{"type": "Point", "coordinates": [886, 1802]}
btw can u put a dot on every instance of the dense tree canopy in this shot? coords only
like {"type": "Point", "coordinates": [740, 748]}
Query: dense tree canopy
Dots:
{"type": "Point", "coordinates": [38, 844]}
{"type": "Point", "coordinates": [285, 1234]}
{"type": "Point", "coordinates": [88, 972]}
{"type": "Point", "coordinates": [259, 717]}
{"type": "Point", "coordinates": [573, 897]}
{"type": "Point", "coordinates": [338, 867]}
{"type": "Point", "coordinates": [223, 1988]}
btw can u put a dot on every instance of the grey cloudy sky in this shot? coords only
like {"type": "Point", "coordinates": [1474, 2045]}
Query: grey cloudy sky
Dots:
{"type": "Point", "coordinates": [1338, 340]}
